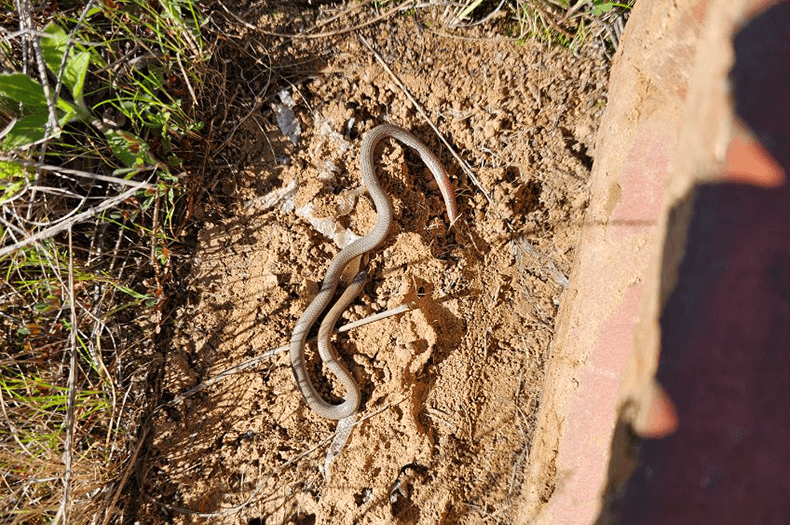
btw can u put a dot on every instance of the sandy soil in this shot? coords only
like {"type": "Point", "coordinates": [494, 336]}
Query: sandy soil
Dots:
{"type": "Point", "coordinates": [450, 388]}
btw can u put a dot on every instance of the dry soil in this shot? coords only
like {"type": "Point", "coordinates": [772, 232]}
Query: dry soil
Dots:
{"type": "Point", "coordinates": [450, 388]}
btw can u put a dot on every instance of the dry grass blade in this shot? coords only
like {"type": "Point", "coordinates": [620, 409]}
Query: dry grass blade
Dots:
{"type": "Point", "coordinates": [186, 79]}
{"type": "Point", "coordinates": [462, 9]}
{"type": "Point", "coordinates": [79, 173]}
{"type": "Point", "coordinates": [68, 445]}
{"type": "Point", "coordinates": [111, 509]}
{"type": "Point", "coordinates": [65, 224]}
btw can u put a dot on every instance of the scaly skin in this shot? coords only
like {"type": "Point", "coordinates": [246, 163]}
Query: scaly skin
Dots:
{"type": "Point", "coordinates": [357, 248]}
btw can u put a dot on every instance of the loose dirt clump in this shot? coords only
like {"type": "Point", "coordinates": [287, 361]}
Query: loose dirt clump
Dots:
{"type": "Point", "coordinates": [450, 388]}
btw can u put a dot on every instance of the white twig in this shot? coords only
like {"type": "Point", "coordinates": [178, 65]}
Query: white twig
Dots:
{"type": "Point", "coordinates": [67, 456]}
{"type": "Point", "coordinates": [9, 127]}
{"type": "Point", "coordinates": [22, 30]}
{"type": "Point", "coordinates": [249, 363]}
{"type": "Point", "coordinates": [52, 124]}
{"type": "Point", "coordinates": [63, 225]}
{"type": "Point", "coordinates": [377, 317]}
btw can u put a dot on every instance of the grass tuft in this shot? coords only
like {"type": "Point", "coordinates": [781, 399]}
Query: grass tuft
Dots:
{"type": "Point", "coordinates": [97, 107]}
{"type": "Point", "coordinates": [570, 24]}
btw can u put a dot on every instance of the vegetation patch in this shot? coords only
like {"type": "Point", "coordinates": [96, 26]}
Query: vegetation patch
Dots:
{"type": "Point", "coordinates": [97, 116]}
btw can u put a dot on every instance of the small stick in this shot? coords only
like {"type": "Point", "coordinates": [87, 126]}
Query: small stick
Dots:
{"type": "Point", "coordinates": [52, 124]}
{"type": "Point", "coordinates": [425, 116]}
{"type": "Point", "coordinates": [249, 363]}
{"type": "Point", "coordinates": [186, 78]}
{"type": "Point", "coordinates": [64, 225]}
{"type": "Point", "coordinates": [78, 173]}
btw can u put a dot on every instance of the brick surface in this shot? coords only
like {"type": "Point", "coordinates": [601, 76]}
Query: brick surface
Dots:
{"type": "Point", "coordinates": [725, 328]}
{"type": "Point", "coordinates": [595, 327]}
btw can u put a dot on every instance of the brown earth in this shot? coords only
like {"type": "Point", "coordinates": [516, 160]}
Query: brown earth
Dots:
{"type": "Point", "coordinates": [450, 388]}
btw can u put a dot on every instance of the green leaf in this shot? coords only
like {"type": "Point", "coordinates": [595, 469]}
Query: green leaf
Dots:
{"type": "Point", "coordinates": [147, 203]}
{"type": "Point", "coordinates": [76, 67]}
{"type": "Point", "coordinates": [128, 291]}
{"type": "Point", "coordinates": [54, 47]}
{"type": "Point", "coordinates": [66, 106]}
{"type": "Point", "coordinates": [23, 89]}
{"type": "Point", "coordinates": [129, 148]}
{"type": "Point", "coordinates": [67, 117]}
{"type": "Point", "coordinates": [157, 120]}
{"type": "Point", "coordinates": [46, 307]}
{"type": "Point", "coordinates": [600, 8]}
{"type": "Point", "coordinates": [11, 171]}
{"type": "Point", "coordinates": [27, 130]}
{"type": "Point", "coordinates": [13, 179]}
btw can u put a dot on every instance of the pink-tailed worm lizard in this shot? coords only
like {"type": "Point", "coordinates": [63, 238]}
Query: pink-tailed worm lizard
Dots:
{"type": "Point", "coordinates": [357, 248]}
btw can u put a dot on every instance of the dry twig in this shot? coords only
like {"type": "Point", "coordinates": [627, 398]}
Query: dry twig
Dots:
{"type": "Point", "coordinates": [425, 116]}
{"type": "Point", "coordinates": [68, 445]}
{"type": "Point", "coordinates": [68, 223]}
{"type": "Point", "coordinates": [57, 170]}
{"type": "Point", "coordinates": [249, 363]}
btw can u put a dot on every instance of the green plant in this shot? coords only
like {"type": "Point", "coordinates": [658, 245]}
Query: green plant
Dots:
{"type": "Point", "coordinates": [600, 7]}
{"type": "Point", "coordinates": [567, 23]}
{"type": "Point", "coordinates": [89, 147]}
{"type": "Point", "coordinates": [468, 9]}
{"type": "Point", "coordinates": [571, 24]}
{"type": "Point", "coordinates": [41, 118]}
